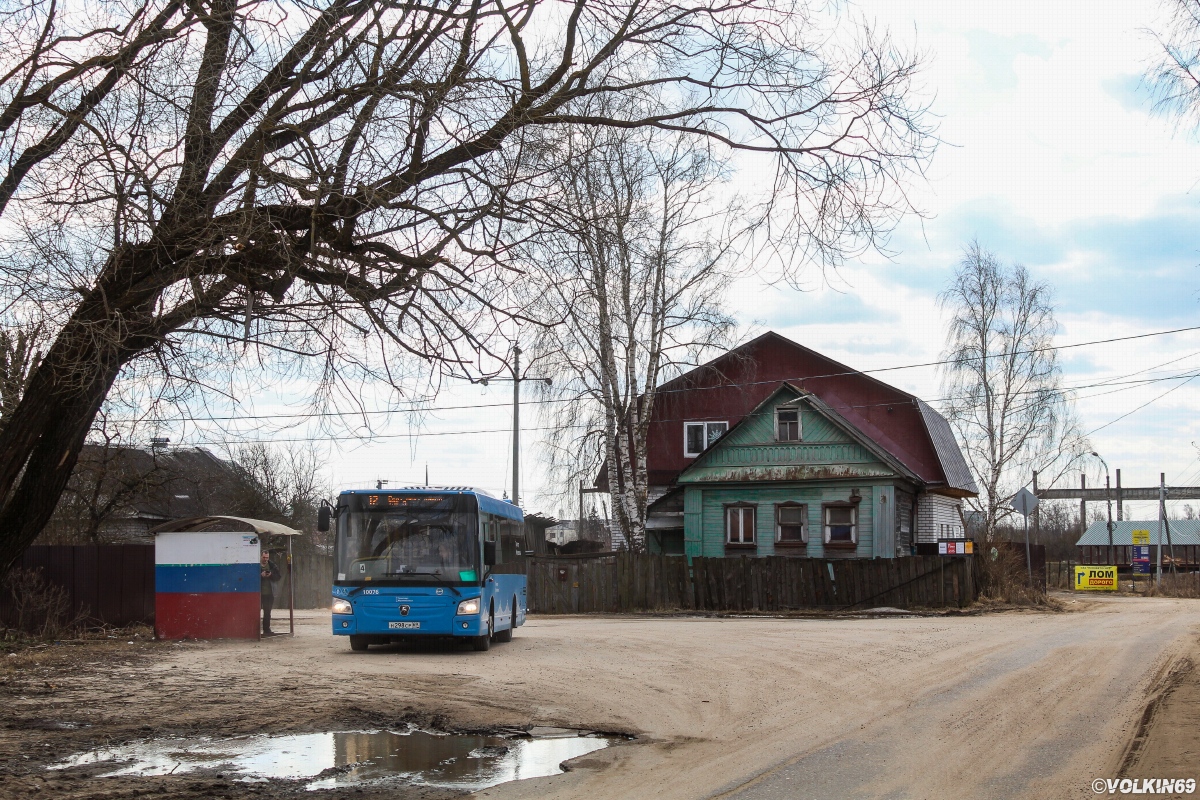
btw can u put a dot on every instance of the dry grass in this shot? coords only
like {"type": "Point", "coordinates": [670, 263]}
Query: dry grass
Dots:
{"type": "Point", "coordinates": [35, 608]}
{"type": "Point", "coordinates": [1177, 585]}
{"type": "Point", "coordinates": [1005, 580]}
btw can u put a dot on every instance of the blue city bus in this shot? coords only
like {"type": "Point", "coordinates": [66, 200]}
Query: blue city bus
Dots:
{"type": "Point", "coordinates": [425, 563]}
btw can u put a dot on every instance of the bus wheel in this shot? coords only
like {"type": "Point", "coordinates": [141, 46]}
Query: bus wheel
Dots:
{"type": "Point", "coordinates": [506, 635]}
{"type": "Point", "coordinates": [359, 643]}
{"type": "Point", "coordinates": [483, 643]}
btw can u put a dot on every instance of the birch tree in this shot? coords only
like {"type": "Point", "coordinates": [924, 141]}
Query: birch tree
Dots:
{"type": "Point", "coordinates": [1002, 382]}
{"type": "Point", "coordinates": [630, 277]}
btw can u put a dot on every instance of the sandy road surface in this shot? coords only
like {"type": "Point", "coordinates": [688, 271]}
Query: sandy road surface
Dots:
{"type": "Point", "coordinates": [995, 705]}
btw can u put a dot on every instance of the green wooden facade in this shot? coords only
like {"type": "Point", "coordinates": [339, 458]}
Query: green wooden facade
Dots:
{"type": "Point", "coordinates": [832, 463]}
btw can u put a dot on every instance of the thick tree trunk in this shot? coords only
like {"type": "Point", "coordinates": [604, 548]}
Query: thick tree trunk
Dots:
{"type": "Point", "coordinates": [48, 468]}
{"type": "Point", "coordinates": [41, 440]}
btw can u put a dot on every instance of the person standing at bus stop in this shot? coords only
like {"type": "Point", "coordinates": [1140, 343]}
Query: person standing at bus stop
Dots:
{"type": "Point", "coordinates": [270, 574]}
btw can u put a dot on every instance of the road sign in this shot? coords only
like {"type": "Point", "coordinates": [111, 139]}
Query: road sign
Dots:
{"type": "Point", "coordinates": [1141, 537]}
{"type": "Point", "coordinates": [1141, 559]}
{"type": "Point", "coordinates": [1096, 579]}
{"type": "Point", "coordinates": [1024, 501]}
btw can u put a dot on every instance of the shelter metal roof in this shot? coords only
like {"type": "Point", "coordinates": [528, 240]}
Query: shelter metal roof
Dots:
{"type": "Point", "coordinates": [260, 526]}
{"type": "Point", "coordinates": [1183, 531]}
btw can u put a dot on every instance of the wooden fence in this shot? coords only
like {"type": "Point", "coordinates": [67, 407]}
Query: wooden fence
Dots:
{"type": "Point", "coordinates": [645, 582]}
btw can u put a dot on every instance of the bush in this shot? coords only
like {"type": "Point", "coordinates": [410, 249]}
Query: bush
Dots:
{"type": "Point", "coordinates": [1004, 578]}
{"type": "Point", "coordinates": [1177, 585]}
{"type": "Point", "coordinates": [35, 607]}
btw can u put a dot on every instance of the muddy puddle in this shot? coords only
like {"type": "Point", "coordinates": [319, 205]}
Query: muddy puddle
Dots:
{"type": "Point", "coordinates": [341, 758]}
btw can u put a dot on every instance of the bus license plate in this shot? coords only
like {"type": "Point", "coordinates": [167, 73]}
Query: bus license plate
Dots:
{"type": "Point", "coordinates": [403, 626]}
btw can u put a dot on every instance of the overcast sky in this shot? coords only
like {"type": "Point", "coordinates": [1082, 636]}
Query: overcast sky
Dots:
{"type": "Point", "coordinates": [1054, 157]}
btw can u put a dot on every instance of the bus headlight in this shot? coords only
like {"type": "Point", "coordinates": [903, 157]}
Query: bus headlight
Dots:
{"type": "Point", "coordinates": [341, 606]}
{"type": "Point", "coordinates": [469, 606]}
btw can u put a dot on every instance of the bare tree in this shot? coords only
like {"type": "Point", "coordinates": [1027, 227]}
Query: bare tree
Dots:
{"type": "Point", "coordinates": [634, 263]}
{"type": "Point", "coordinates": [1003, 383]}
{"type": "Point", "coordinates": [284, 483]}
{"type": "Point", "coordinates": [335, 182]}
{"type": "Point", "coordinates": [1176, 74]}
{"type": "Point", "coordinates": [19, 354]}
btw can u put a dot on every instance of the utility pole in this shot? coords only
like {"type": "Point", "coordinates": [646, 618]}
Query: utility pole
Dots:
{"type": "Point", "coordinates": [1082, 505]}
{"type": "Point", "coordinates": [516, 482]}
{"type": "Point", "coordinates": [517, 379]}
{"type": "Point", "coordinates": [1120, 505]}
{"type": "Point", "coordinates": [1110, 522]}
{"type": "Point", "coordinates": [1162, 513]}
{"type": "Point", "coordinates": [1108, 500]}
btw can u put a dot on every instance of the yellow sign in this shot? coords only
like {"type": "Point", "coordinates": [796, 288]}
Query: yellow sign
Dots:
{"type": "Point", "coordinates": [1096, 579]}
{"type": "Point", "coordinates": [1141, 537]}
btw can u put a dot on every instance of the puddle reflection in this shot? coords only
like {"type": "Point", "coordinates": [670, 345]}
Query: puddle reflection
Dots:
{"type": "Point", "coordinates": [339, 758]}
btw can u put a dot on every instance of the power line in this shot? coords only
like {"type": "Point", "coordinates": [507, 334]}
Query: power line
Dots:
{"type": "Point", "coordinates": [545, 401]}
{"type": "Point", "coordinates": [1104, 383]}
{"type": "Point", "coordinates": [1139, 408]}
{"type": "Point", "coordinates": [331, 438]}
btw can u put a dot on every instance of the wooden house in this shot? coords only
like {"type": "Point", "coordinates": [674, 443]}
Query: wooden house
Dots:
{"type": "Point", "coordinates": [774, 449]}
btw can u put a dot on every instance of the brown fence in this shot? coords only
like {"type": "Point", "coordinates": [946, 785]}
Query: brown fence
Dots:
{"type": "Point", "coordinates": [615, 582]}
{"type": "Point", "coordinates": [108, 583]}
{"type": "Point", "coordinates": [644, 582]}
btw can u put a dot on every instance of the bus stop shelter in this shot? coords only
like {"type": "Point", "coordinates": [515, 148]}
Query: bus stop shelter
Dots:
{"type": "Point", "coordinates": [207, 577]}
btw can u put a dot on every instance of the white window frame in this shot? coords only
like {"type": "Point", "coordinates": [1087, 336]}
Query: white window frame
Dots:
{"type": "Point", "coordinates": [803, 525]}
{"type": "Point", "coordinates": [799, 424]}
{"type": "Point", "coordinates": [853, 524]}
{"type": "Point", "coordinates": [740, 508]}
{"type": "Point", "coordinates": [688, 453]}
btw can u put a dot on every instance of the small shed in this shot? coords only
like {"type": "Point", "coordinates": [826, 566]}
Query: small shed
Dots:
{"type": "Point", "coordinates": [207, 576]}
{"type": "Point", "coordinates": [1180, 545]}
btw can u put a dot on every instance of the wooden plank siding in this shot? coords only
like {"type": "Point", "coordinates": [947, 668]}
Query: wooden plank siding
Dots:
{"type": "Point", "coordinates": [627, 582]}
{"type": "Point", "coordinates": [709, 505]}
{"type": "Point", "coordinates": [828, 465]}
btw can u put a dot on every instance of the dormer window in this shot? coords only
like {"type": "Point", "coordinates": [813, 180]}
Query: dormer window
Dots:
{"type": "Point", "coordinates": [698, 436]}
{"type": "Point", "coordinates": [787, 424]}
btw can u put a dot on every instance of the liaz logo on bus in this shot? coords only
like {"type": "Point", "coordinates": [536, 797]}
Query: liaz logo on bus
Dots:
{"type": "Point", "coordinates": [1096, 579]}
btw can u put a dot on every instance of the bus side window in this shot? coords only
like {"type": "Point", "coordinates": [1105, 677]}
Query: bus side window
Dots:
{"type": "Point", "coordinates": [512, 544]}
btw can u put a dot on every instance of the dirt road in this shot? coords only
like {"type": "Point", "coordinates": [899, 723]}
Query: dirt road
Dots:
{"type": "Point", "coordinates": [995, 705]}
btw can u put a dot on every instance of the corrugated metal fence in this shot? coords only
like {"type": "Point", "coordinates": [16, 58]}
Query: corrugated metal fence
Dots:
{"type": "Point", "coordinates": [644, 582]}
{"type": "Point", "coordinates": [113, 584]}
{"type": "Point", "coordinates": [108, 583]}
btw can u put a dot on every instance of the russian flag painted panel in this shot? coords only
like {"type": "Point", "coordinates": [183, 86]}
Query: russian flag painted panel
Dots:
{"type": "Point", "coordinates": [207, 585]}
{"type": "Point", "coordinates": [206, 578]}
{"type": "Point", "coordinates": [229, 615]}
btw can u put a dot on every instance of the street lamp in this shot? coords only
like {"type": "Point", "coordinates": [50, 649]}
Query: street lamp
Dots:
{"type": "Point", "coordinates": [1108, 498]}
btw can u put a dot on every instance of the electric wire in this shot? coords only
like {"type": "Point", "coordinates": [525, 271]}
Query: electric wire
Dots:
{"type": "Point", "coordinates": [417, 408]}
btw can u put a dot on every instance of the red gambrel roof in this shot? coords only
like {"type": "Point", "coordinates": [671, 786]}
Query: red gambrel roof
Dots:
{"type": "Point", "coordinates": [732, 385]}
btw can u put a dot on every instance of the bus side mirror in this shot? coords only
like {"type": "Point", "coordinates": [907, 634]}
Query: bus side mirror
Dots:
{"type": "Point", "coordinates": [489, 554]}
{"type": "Point", "coordinates": [323, 517]}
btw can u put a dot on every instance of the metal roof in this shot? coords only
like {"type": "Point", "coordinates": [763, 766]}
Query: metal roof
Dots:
{"type": "Point", "coordinates": [958, 474]}
{"type": "Point", "coordinates": [260, 526]}
{"type": "Point", "coordinates": [1183, 531]}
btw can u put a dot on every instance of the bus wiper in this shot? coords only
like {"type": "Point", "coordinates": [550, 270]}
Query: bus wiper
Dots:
{"type": "Point", "coordinates": [430, 574]}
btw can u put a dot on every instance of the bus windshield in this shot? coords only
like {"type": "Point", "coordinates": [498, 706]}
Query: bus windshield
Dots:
{"type": "Point", "coordinates": [411, 539]}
